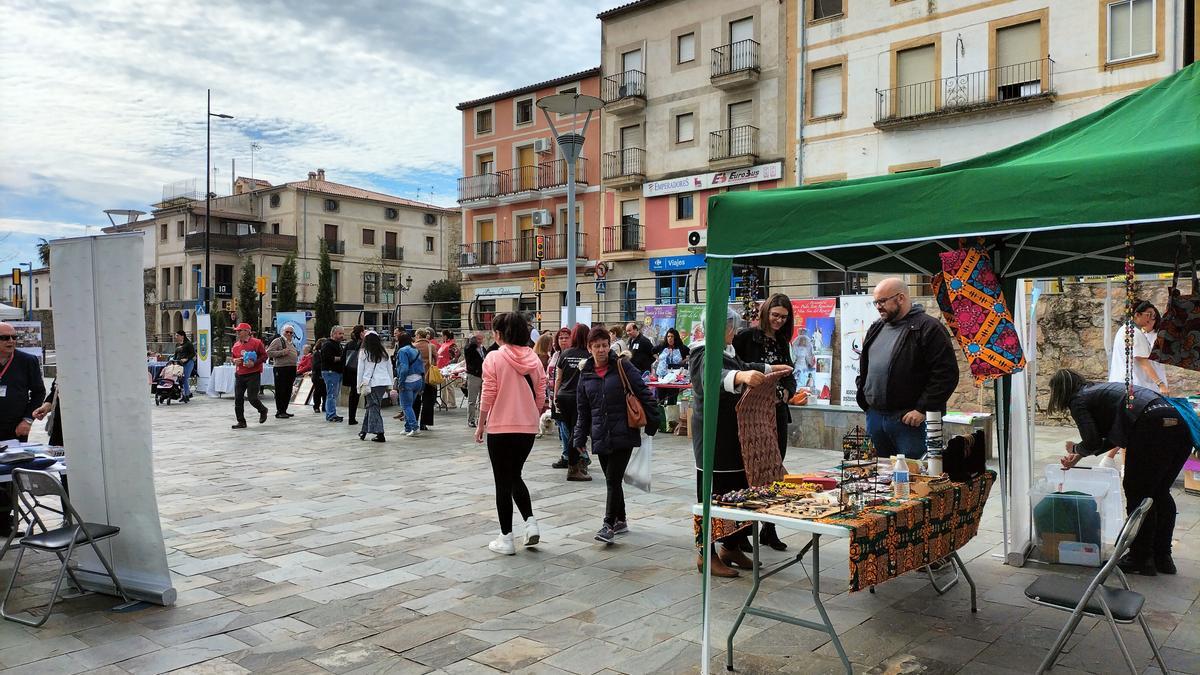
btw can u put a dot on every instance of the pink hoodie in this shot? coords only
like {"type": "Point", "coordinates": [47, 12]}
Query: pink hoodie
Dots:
{"type": "Point", "coordinates": [507, 403]}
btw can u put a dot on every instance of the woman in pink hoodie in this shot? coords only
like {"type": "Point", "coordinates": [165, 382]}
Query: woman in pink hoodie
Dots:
{"type": "Point", "coordinates": [509, 413]}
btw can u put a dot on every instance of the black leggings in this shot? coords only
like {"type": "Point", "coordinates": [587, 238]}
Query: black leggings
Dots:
{"type": "Point", "coordinates": [614, 463]}
{"type": "Point", "coordinates": [318, 392]}
{"type": "Point", "coordinates": [1155, 456]}
{"type": "Point", "coordinates": [350, 380]}
{"type": "Point", "coordinates": [508, 453]}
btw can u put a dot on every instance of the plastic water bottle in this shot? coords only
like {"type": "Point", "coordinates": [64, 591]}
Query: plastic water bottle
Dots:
{"type": "Point", "coordinates": [900, 478]}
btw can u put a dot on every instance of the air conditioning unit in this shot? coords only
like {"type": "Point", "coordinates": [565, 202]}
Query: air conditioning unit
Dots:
{"type": "Point", "coordinates": [542, 218]}
{"type": "Point", "coordinates": [542, 145]}
{"type": "Point", "coordinates": [698, 238]}
{"type": "Point", "coordinates": [467, 259]}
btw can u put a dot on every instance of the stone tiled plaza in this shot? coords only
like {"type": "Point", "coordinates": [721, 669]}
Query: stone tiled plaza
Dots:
{"type": "Point", "coordinates": [297, 549]}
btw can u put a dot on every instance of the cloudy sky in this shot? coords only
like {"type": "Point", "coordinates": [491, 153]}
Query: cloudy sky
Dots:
{"type": "Point", "coordinates": [104, 101]}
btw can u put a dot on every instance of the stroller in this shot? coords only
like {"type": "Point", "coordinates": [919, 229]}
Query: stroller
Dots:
{"type": "Point", "coordinates": [169, 385]}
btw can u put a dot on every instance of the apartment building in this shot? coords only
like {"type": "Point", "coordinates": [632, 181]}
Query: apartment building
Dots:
{"type": "Point", "coordinates": [514, 194]}
{"type": "Point", "coordinates": [695, 98]}
{"type": "Point", "coordinates": [385, 250]}
{"type": "Point", "coordinates": [34, 294]}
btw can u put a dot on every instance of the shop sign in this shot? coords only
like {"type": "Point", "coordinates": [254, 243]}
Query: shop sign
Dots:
{"type": "Point", "coordinates": [706, 181]}
{"type": "Point", "coordinates": [497, 291]}
{"type": "Point", "coordinates": [673, 263]}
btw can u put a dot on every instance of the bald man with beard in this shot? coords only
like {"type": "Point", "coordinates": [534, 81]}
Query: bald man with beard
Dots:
{"type": "Point", "coordinates": [907, 369]}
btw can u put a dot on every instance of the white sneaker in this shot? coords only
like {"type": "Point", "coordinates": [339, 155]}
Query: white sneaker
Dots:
{"type": "Point", "coordinates": [1106, 462]}
{"type": "Point", "coordinates": [532, 534]}
{"type": "Point", "coordinates": [408, 433]}
{"type": "Point", "coordinates": [415, 433]}
{"type": "Point", "coordinates": [503, 545]}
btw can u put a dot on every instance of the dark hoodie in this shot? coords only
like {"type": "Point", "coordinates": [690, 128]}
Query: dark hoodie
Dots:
{"type": "Point", "coordinates": [923, 371]}
{"type": "Point", "coordinates": [601, 406]}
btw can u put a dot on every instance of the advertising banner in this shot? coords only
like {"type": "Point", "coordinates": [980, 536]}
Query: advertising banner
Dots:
{"type": "Point", "coordinates": [858, 313]}
{"type": "Point", "coordinates": [705, 181]}
{"type": "Point", "coordinates": [297, 321]}
{"type": "Point", "coordinates": [812, 346]}
{"type": "Point", "coordinates": [658, 319]}
{"type": "Point", "coordinates": [29, 338]}
{"type": "Point", "coordinates": [689, 321]}
{"type": "Point", "coordinates": [203, 350]}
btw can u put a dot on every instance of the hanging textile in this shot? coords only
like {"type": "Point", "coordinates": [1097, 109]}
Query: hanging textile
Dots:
{"type": "Point", "coordinates": [1178, 341]}
{"type": "Point", "coordinates": [757, 432]}
{"type": "Point", "coordinates": [984, 323]}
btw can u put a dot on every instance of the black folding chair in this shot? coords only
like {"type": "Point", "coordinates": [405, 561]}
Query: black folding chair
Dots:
{"type": "Point", "coordinates": [1092, 598]}
{"type": "Point", "coordinates": [29, 488]}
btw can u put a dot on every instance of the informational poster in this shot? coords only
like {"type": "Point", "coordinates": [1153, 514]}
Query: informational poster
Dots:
{"type": "Point", "coordinates": [658, 319]}
{"type": "Point", "coordinates": [29, 338]}
{"type": "Point", "coordinates": [812, 346]}
{"type": "Point", "coordinates": [858, 313]}
{"type": "Point", "coordinates": [203, 350]}
{"type": "Point", "coordinates": [297, 321]}
{"type": "Point", "coordinates": [689, 321]}
{"type": "Point", "coordinates": [583, 315]}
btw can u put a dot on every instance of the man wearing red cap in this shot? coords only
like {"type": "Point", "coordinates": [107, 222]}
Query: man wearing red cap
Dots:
{"type": "Point", "coordinates": [248, 357]}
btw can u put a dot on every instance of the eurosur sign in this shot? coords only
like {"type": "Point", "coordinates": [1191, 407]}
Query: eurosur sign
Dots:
{"type": "Point", "coordinates": [718, 179]}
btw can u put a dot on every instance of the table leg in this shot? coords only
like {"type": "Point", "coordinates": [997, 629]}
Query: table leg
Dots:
{"type": "Point", "coordinates": [755, 581]}
{"type": "Point", "coordinates": [816, 592]}
{"type": "Point", "coordinates": [967, 575]}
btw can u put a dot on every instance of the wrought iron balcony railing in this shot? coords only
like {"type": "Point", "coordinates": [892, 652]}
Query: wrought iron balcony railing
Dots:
{"type": "Point", "coordinates": [624, 237]}
{"type": "Point", "coordinates": [334, 246]}
{"type": "Point", "coordinates": [483, 186]}
{"type": "Point", "coordinates": [623, 85]}
{"type": "Point", "coordinates": [732, 58]}
{"type": "Point", "coordinates": [520, 179]}
{"type": "Point", "coordinates": [736, 142]}
{"type": "Point", "coordinates": [969, 91]}
{"type": "Point", "coordinates": [554, 174]}
{"type": "Point", "coordinates": [624, 162]}
{"type": "Point", "coordinates": [392, 252]}
{"type": "Point", "coordinates": [519, 250]}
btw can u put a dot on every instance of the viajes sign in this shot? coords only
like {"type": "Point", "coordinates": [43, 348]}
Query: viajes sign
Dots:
{"type": "Point", "coordinates": [706, 181]}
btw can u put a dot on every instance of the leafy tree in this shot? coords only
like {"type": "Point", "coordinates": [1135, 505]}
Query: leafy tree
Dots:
{"type": "Point", "coordinates": [248, 296]}
{"type": "Point", "coordinates": [43, 249]}
{"type": "Point", "coordinates": [449, 293]}
{"type": "Point", "coordinates": [324, 317]}
{"type": "Point", "coordinates": [286, 289]}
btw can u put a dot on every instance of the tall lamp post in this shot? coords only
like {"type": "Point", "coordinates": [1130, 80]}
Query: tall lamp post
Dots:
{"type": "Point", "coordinates": [570, 144]}
{"type": "Point", "coordinates": [28, 292]}
{"type": "Point", "coordinates": [208, 198]}
{"type": "Point", "coordinates": [402, 287]}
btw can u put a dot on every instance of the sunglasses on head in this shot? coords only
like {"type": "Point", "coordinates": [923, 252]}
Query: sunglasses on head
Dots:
{"type": "Point", "coordinates": [6, 338]}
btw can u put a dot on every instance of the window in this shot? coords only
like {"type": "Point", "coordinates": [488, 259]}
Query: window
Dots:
{"type": "Point", "coordinates": [569, 90]}
{"type": "Point", "coordinates": [179, 229]}
{"type": "Point", "coordinates": [1131, 29]}
{"type": "Point", "coordinates": [370, 287]}
{"type": "Point", "coordinates": [528, 307]}
{"type": "Point", "coordinates": [683, 207]}
{"type": "Point", "coordinates": [163, 232]}
{"type": "Point", "coordinates": [274, 201]}
{"type": "Point", "coordinates": [826, 91]}
{"type": "Point", "coordinates": [524, 111]}
{"type": "Point", "coordinates": [368, 237]}
{"type": "Point", "coordinates": [274, 228]}
{"type": "Point", "coordinates": [630, 212]}
{"type": "Point", "coordinates": [825, 9]}
{"type": "Point", "coordinates": [429, 244]}
{"type": "Point", "coordinates": [391, 214]}
{"type": "Point", "coordinates": [1018, 64]}
{"type": "Point", "coordinates": [483, 121]}
{"type": "Point", "coordinates": [179, 282]}
{"type": "Point", "coordinates": [485, 163]}
{"type": "Point", "coordinates": [335, 284]}
{"type": "Point", "coordinates": [915, 72]}
{"type": "Point", "coordinates": [685, 130]}
{"type": "Point", "coordinates": [686, 47]}
{"type": "Point", "coordinates": [388, 296]}
{"type": "Point", "coordinates": [629, 304]}
{"type": "Point", "coordinates": [331, 205]}
{"type": "Point", "coordinates": [166, 283]}
{"type": "Point", "coordinates": [196, 280]}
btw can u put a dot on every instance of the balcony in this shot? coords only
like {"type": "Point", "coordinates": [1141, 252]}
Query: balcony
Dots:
{"type": "Point", "coordinates": [1008, 86]}
{"type": "Point", "coordinates": [259, 241]}
{"type": "Point", "coordinates": [480, 190]}
{"type": "Point", "coordinates": [624, 241]}
{"type": "Point", "coordinates": [334, 246]}
{"type": "Point", "coordinates": [735, 65]}
{"type": "Point", "coordinates": [732, 148]}
{"type": "Point", "coordinates": [552, 176]}
{"type": "Point", "coordinates": [624, 92]}
{"type": "Point", "coordinates": [624, 168]}
{"type": "Point", "coordinates": [479, 257]}
{"type": "Point", "coordinates": [518, 184]}
{"type": "Point", "coordinates": [511, 255]}
{"type": "Point", "coordinates": [392, 252]}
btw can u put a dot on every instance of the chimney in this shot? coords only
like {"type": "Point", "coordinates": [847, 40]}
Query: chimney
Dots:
{"type": "Point", "coordinates": [312, 175]}
{"type": "Point", "coordinates": [320, 174]}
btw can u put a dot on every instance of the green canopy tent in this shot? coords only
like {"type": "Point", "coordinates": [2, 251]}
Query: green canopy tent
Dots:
{"type": "Point", "coordinates": [1054, 205]}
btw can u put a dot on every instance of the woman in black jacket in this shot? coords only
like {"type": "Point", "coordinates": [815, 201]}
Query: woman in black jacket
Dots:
{"type": "Point", "coordinates": [770, 343]}
{"type": "Point", "coordinates": [185, 355]}
{"type": "Point", "coordinates": [1157, 443]}
{"type": "Point", "coordinates": [350, 370]}
{"type": "Point", "coordinates": [601, 411]}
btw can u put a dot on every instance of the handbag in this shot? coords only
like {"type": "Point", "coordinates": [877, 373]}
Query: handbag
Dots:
{"type": "Point", "coordinates": [635, 414]}
{"type": "Point", "coordinates": [964, 456]}
{"type": "Point", "coordinates": [364, 388]}
{"type": "Point", "coordinates": [433, 375]}
{"type": "Point", "coordinates": [1178, 342]}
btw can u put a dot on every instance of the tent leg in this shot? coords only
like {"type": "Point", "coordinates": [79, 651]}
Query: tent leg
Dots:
{"type": "Point", "coordinates": [1002, 456]}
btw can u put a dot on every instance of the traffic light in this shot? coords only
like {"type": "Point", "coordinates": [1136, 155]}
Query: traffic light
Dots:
{"type": "Point", "coordinates": [539, 247]}
{"type": "Point", "coordinates": [540, 284]}
{"type": "Point", "coordinates": [260, 283]}
{"type": "Point", "coordinates": [16, 275]}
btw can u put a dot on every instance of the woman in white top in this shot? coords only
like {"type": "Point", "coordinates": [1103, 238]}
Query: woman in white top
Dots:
{"type": "Point", "coordinates": [374, 375]}
{"type": "Point", "coordinates": [1146, 373]}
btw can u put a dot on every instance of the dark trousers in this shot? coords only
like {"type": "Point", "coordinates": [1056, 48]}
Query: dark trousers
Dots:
{"type": "Point", "coordinates": [613, 463]}
{"type": "Point", "coordinates": [246, 386]}
{"type": "Point", "coordinates": [8, 431]}
{"type": "Point", "coordinates": [285, 377]}
{"type": "Point", "coordinates": [318, 392]}
{"type": "Point", "coordinates": [350, 379]}
{"type": "Point", "coordinates": [892, 436]}
{"type": "Point", "coordinates": [424, 404]}
{"type": "Point", "coordinates": [1157, 450]}
{"type": "Point", "coordinates": [667, 396]}
{"type": "Point", "coordinates": [568, 411]}
{"type": "Point", "coordinates": [508, 453]}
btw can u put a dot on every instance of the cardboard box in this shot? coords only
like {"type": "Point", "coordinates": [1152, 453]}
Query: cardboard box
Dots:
{"type": "Point", "coordinates": [1051, 545]}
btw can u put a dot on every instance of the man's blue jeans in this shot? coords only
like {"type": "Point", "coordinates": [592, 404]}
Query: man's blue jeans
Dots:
{"type": "Point", "coordinates": [408, 393]}
{"type": "Point", "coordinates": [187, 376]}
{"type": "Point", "coordinates": [332, 382]}
{"type": "Point", "coordinates": [892, 436]}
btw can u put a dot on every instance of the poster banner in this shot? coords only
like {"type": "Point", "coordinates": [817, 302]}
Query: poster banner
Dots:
{"type": "Point", "coordinates": [298, 322]}
{"type": "Point", "coordinates": [812, 346]}
{"type": "Point", "coordinates": [689, 321]}
{"type": "Point", "coordinates": [658, 319]}
{"type": "Point", "coordinates": [858, 313]}
{"type": "Point", "coordinates": [29, 338]}
{"type": "Point", "coordinates": [203, 350]}
{"type": "Point", "coordinates": [583, 315]}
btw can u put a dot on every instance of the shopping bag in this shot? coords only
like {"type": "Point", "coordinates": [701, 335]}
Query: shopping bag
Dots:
{"type": "Point", "coordinates": [637, 474]}
{"type": "Point", "coordinates": [1178, 342]}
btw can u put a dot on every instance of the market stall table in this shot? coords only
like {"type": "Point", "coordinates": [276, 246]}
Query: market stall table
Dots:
{"type": "Point", "coordinates": [223, 378]}
{"type": "Point", "coordinates": [885, 541]}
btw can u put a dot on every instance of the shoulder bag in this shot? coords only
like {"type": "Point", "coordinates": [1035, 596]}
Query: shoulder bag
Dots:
{"type": "Point", "coordinates": [1178, 342]}
{"type": "Point", "coordinates": [433, 375]}
{"type": "Point", "coordinates": [635, 414]}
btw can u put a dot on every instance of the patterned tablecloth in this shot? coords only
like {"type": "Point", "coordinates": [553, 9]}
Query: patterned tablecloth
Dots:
{"type": "Point", "coordinates": [897, 537]}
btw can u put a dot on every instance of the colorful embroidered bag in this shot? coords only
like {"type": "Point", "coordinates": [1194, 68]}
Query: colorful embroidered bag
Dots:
{"type": "Point", "coordinates": [1178, 341]}
{"type": "Point", "coordinates": [984, 323]}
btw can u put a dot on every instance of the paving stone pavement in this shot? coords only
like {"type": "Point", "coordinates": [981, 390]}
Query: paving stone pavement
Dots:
{"type": "Point", "coordinates": [298, 549]}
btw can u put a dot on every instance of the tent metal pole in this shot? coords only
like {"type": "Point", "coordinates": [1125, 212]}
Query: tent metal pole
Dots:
{"type": "Point", "coordinates": [1002, 418]}
{"type": "Point", "coordinates": [903, 259]}
{"type": "Point", "coordinates": [1099, 254]}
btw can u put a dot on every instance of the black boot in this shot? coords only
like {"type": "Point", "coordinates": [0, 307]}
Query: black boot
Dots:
{"type": "Point", "coordinates": [1143, 565]}
{"type": "Point", "coordinates": [1164, 564]}
{"type": "Point", "coordinates": [768, 537]}
{"type": "Point", "coordinates": [379, 438]}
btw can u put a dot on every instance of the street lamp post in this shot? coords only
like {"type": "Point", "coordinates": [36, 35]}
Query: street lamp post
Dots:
{"type": "Point", "coordinates": [402, 287]}
{"type": "Point", "coordinates": [570, 144]}
{"type": "Point", "coordinates": [28, 291]}
{"type": "Point", "coordinates": [208, 198]}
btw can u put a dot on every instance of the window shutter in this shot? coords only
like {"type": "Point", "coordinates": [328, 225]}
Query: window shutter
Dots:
{"type": "Point", "coordinates": [685, 128]}
{"type": "Point", "coordinates": [741, 114]}
{"type": "Point", "coordinates": [827, 91]}
{"type": "Point", "coordinates": [915, 69]}
{"type": "Point", "coordinates": [687, 47]}
{"type": "Point", "coordinates": [1017, 48]}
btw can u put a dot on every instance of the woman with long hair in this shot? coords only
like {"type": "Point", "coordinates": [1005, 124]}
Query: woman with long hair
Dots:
{"type": "Point", "coordinates": [349, 374]}
{"type": "Point", "coordinates": [410, 374]}
{"type": "Point", "coordinates": [562, 341]}
{"type": "Point", "coordinates": [543, 347]}
{"type": "Point", "coordinates": [1157, 441]}
{"type": "Point", "coordinates": [769, 343]}
{"type": "Point", "coordinates": [671, 353]}
{"type": "Point", "coordinates": [509, 415]}
{"type": "Point", "coordinates": [602, 415]}
{"type": "Point", "coordinates": [566, 382]}
{"type": "Point", "coordinates": [374, 374]}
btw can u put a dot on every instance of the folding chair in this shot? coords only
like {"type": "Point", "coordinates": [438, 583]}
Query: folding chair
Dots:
{"type": "Point", "coordinates": [1093, 598]}
{"type": "Point", "coordinates": [28, 487]}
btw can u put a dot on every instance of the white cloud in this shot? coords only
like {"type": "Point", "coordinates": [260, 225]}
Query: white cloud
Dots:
{"type": "Point", "coordinates": [44, 228]}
